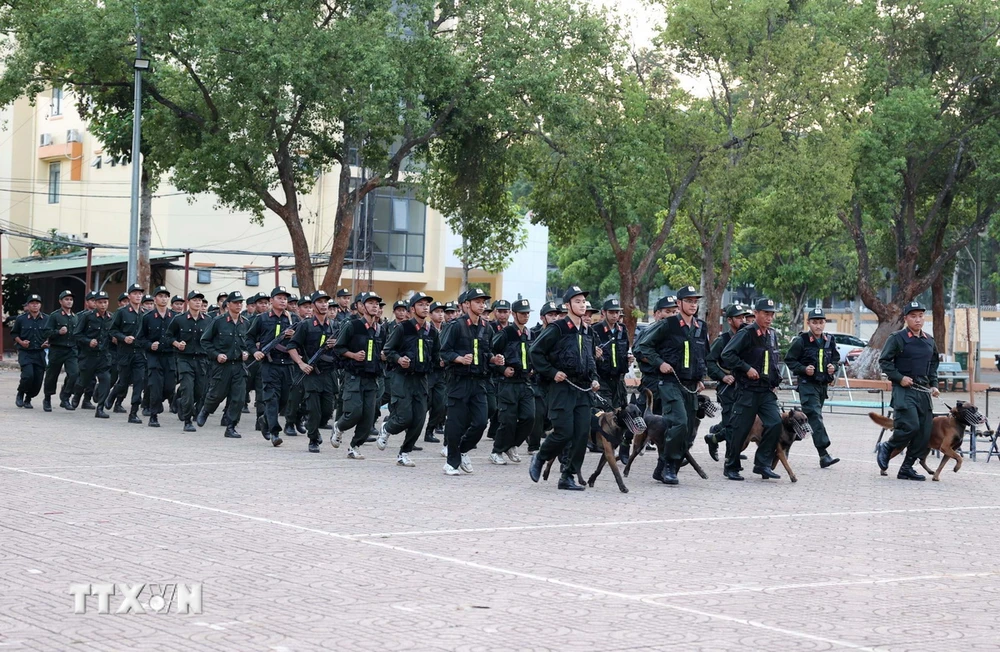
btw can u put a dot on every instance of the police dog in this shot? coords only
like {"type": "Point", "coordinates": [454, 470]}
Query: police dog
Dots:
{"type": "Point", "coordinates": [794, 426]}
{"type": "Point", "coordinates": [946, 434]}
{"type": "Point", "coordinates": [656, 428]}
{"type": "Point", "coordinates": [607, 429]}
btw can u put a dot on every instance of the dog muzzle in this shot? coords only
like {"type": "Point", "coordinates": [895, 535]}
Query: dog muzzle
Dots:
{"type": "Point", "coordinates": [802, 430]}
{"type": "Point", "coordinates": [635, 425]}
{"type": "Point", "coordinates": [973, 418]}
{"type": "Point", "coordinates": [710, 408]}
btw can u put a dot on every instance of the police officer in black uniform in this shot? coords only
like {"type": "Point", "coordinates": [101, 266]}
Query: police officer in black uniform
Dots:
{"type": "Point", "coordinates": [561, 356]}
{"type": "Point", "coordinates": [90, 304]}
{"type": "Point", "coordinates": [665, 307]}
{"type": "Point", "coordinates": [312, 350]}
{"type": "Point", "coordinates": [752, 356]}
{"type": "Point", "coordinates": [125, 326]}
{"type": "Point", "coordinates": [467, 350]}
{"type": "Point", "coordinates": [276, 365]}
{"type": "Point", "coordinates": [737, 316]}
{"type": "Point", "coordinates": [910, 360]}
{"type": "Point", "coordinates": [412, 351]}
{"type": "Point", "coordinates": [359, 344]}
{"type": "Point", "coordinates": [515, 398]}
{"type": "Point", "coordinates": [547, 315]}
{"type": "Point", "coordinates": [676, 348]}
{"type": "Point", "coordinates": [29, 338]}
{"type": "Point", "coordinates": [613, 364]}
{"type": "Point", "coordinates": [92, 339]}
{"type": "Point", "coordinates": [60, 332]}
{"type": "Point", "coordinates": [437, 388]}
{"type": "Point", "coordinates": [224, 342]}
{"type": "Point", "coordinates": [183, 335]}
{"type": "Point", "coordinates": [160, 372]}
{"type": "Point", "coordinates": [814, 358]}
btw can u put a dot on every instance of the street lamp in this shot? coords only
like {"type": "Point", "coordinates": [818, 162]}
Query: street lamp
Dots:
{"type": "Point", "coordinates": [138, 66]}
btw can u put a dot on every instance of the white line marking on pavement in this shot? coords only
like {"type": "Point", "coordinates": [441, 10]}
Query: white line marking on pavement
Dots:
{"type": "Point", "coordinates": [691, 519]}
{"type": "Point", "coordinates": [478, 566]}
{"type": "Point", "coordinates": [950, 466]}
{"type": "Point", "coordinates": [817, 585]}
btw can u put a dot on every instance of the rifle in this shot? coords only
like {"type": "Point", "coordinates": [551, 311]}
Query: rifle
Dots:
{"type": "Point", "coordinates": [312, 360]}
{"type": "Point", "coordinates": [267, 348]}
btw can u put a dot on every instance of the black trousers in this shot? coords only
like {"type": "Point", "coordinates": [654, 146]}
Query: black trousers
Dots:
{"type": "Point", "coordinates": [539, 427]}
{"type": "Point", "coordinates": [295, 407]}
{"type": "Point", "coordinates": [277, 380]}
{"type": "Point", "coordinates": [61, 357]}
{"type": "Point", "coordinates": [491, 408]}
{"type": "Point", "coordinates": [437, 401]}
{"type": "Point", "coordinates": [192, 372]}
{"type": "Point", "coordinates": [95, 371]}
{"type": "Point", "coordinates": [467, 414]}
{"type": "Point", "coordinates": [679, 408]}
{"type": "Point", "coordinates": [813, 397]}
{"type": "Point", "coordinates": [131, 372]}
{"type": "Point", "coordinates": [912, 414]}
{"type": "Point", "coordinates": [160, 380]}
{"type": "Point", "coordinates": [360, 394]}
{"type": "Point", "coordinates": [516, 413]}
{"type": "Point", "coordinates": [32, 372]}
{"type": "Point", "coordinates": [318, 389]}
{"type": "Point", "coordinates": [763, 404]}
{"type": "Point", "coordinates": [228, 384]}
{"type": "Point", "coordinates": [569, 410]}
{"type": "Point", "coordinates": [409, 407]}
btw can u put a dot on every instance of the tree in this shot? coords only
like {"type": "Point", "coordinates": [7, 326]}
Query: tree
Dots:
{"type": "Point", "coordinates": [46, 248]}
{"type": "Point", "coordinates": [261, 97]}
{"type": "Point", "coordinates": [925, 122]}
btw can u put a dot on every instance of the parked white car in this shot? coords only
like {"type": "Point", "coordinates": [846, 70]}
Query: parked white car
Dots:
{"type": "Point", "coordinates": [848, 346]}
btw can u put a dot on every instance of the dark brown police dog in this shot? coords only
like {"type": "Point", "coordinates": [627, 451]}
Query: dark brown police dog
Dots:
{"type": "Point", "coordinates": [946, 434]}
{"type": "Point", "coordinates": [656, 427]}
{"type": "Point", "coordinates": [794, 426]}
{"type": "Point", "coordinates": [607, 429]}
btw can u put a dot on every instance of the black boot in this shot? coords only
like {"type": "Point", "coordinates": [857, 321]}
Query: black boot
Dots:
{"type": "Point", "coordinates": [535, 468]}
{"type": "Point", "coordinates": [713, 446]}
{"type": "Point", "coordinates": [313, 445]}
{"type": "Point", "coordinates": [133, 415]}
{"type": "Point", "coordinates": [87, 405]}
{"type": "Point", "coordinates": [290, 430]}
{"type": "Point", "coordinates": [568, 483]}
{"type": "Point", "coordinates": [430, 438]}
{"type": "Point", "coordinates": [154, 421]}
{"type": "Point", "coordinates": [188, 426]}
{"type": "Point", "coordinates": [623, 453]}
{"type": "Point", "coordinates": [119, 409]}
{"type": "Point", "coordinates": [99, 413]}
{"type": "Point", "coordinates": [66, 405]}
{"type": "Point", "coordinates": [231, 433]}
{"type": "Point", "coordinates": [201, 418]}
{"type": "Point", "coordinates": [146, 412]}
{"type": "Point", "coordinates": [109, 403]}
{"type": "Point", "coordinates": [765, 472]}
{"type": "Point", "coordinates": [669, 475]}
{"type": "Point", "coordinates": [276, 439]}
{"type": "Point", "coordinates": [733, 475]}
{"type": "Point", "coordinates": [884, 452]}
{"type": "Point", "coordinates": [28, 405]}
{"type": "Point", "coordinates": [224, 422]}
{"type": "Point", "coordinates": [173, 407]}
{"type": "Point", "coordinates": [825, 460]}
{"type": "Point", "coordinates": [19, 400]}
{"type": "Point", "coordinates": [906, 472]}
{"type": "Point", "coordinates": [300, 425]}
{"type": "Point", "coordinates": [246, 409]}
{"type": "Point", "coordinates": [325, 426]}
{"type": "Point", "coordinates": [47, 403]}
{"type": "Point", "coordinates": [658, 471]}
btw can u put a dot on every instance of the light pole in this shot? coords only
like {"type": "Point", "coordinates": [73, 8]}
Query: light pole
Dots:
{"type": "Point", "coordinates": [138, 66]}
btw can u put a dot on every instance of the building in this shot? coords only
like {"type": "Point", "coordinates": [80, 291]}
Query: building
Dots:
{"type": "Point", "coordinates": [55, 175]}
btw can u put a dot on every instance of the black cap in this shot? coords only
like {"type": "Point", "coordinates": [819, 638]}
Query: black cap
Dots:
{"type": "Point", "coordinates": [359, 297]}
{"type": "Point", "coordinates": [195, 294]}
{"type": "Point", "coordinates": [548, 307]}
{"type": "Point", "coordinates": [320, 294]}
{"type": "Point", "coordinates": [306, 298]}
{"type": "Point", "coordinates": [261, 296]}
{"type": "Point", "coordinates": [123, 296]}
{"type": "Point", "coordinates": [688, 292]}
{"type": "Point", "coordinates": [592, 309]}
{"type": "Point", "coordinates": [613, 304]}
{"type": "Point", "coordinates": [342, 292]}
{"type": "Point", "coordinates": [234, 296]}
{"type": "Point", "coordinates": [913, 306]}
{"type": "Point", "coordinates": [400, 304]}
{"type": "Point", "coordinates": [563, 308]}
{"type": "Point", "coordinates": [222, 295]}
{"type": "Point", "coordinates": [461, 297]}
{"type": "Point", "coordinates": [764, 305]}
{"type": "Point", "coordinates": [64, 294]}
{"type": "Point", "coordinates": [451, 306]}
{"type": "Point", "coordinates": [501, 304]}
{"type": "Point", "coordinates": [293, 298]}
{"type": "Point", "coordinates": [366, 296]}
{"type": "Point", "coordinates": [91, 295]}
{"type": "Point", "coordinates": [280, 290]}
{"type": "Point", "coordinates": [435, 305]}
{"type": "Point", "coordinates": [817, 313]}
{"type": "Point", "coordinates": [175, 299]}
{"type": "Point", "coordinates": [737, 310]}
{"type": "Point", "coordinates": [521, 305]}
{"type": "Point", "coordinates": [100, 295]}
{"type": "Point", "coordinates": [476, 293]}
{"type": "Point", "coordinates": [32, 297]}
{"type": "Point", "coordinates": [146, 298]}
{"type": "Point", "coordinates": [418, 297]}
{"type": "Point", "coordinates": [664, 303]}
{"type": "Point", "coordinates": [573, 291]}
{"type": "Point", "coordinates": [135, 287]}
{"type": "Point", "coordinates": [162, 289]}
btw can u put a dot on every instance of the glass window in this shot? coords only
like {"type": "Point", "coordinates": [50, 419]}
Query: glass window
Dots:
{"type": "Point", "coordinates": [397, 243]}
{"type": "Point", "coordinates": [253, 279]}
{"type": "Point", "coordinates": [57, 96]}
{"type": "Point", "coordinates": [295, 281]}
{"type": "Point", "coordinates": [400, 214]}
{"type": "Point", "coordinates": [394, 237]}
{"type": "Point", "coordinates": [204, 276]}
{"type": "Point", "coordinates": [55, 170]}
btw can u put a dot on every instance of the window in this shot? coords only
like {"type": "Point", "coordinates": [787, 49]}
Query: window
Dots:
{"type": "Point", "coordinates": [55, 170]}
{"type": "Point", "coordinates": [253, 279]}
{"type": "Point", "coordinates": [295, 281]}
{"type": "Point", "coordinates": [204, 276]}
{"type": "Point", "coordinates": [393, 237]}
{"type": "Point", "coordinates": [57, 96]}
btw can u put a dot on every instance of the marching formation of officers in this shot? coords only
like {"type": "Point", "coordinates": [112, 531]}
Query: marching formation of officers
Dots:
{"type": "Point", "coordinates": [330, 363]}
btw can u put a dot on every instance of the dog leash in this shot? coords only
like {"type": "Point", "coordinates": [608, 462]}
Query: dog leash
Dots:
{"type": "Point", "coordinates": [605, 402]}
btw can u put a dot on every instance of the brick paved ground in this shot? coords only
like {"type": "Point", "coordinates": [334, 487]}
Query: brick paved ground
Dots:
{"type": "Point", "coordinates": [307, 552]}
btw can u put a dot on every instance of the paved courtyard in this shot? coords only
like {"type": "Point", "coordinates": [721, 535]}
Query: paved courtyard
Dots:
{"type": "Point", "coordinates": [317, 552]}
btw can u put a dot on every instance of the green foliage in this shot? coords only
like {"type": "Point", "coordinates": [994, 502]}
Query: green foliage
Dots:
{"type": "Point", "coordinates": [44, 248]}
{"type": "Point", "coordinates": [16, 288]}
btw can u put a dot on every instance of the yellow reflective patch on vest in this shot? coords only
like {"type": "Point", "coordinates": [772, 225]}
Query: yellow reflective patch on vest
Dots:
{"type": "Point", "coordinates": [371, 344]}
{"type": "Point", "coordinates": [687, 354]}
{"type": "Point", "coordinates": [767, 361]}
{"type": "Point", "coordinates": [524, 356]}
{"type": "Point", "coordinates": [420, 350]}
{"type": "Point", "coordinates": [322, 340]}
{"type": "Point", "coordinates": [475, 351]}
{"type": "Point", "coordinates": [821, 359]}
{"type": "Point", "coordinates": [277, 330]}
{"type": "Point", "coordinates": [614, 355]}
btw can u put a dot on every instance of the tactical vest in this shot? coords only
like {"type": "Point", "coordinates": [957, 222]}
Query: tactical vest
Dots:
{"type": "Point", "coordinates": [417, 345]}
{"type": "Point", "coordinates": [572, 353]}
{"type": "Point", "coordinates": [817, 353]}
{"type": "Point", "coordinates": [762, 356]}
{"type": "Point", "coordinates": [916, 357]}
{"type": "Point", "coordinates": [364, 338]}
{"type": "Point", "coordinates": [614, 347]}
{"type": "Point", "coordinates": [468, 338]}
{"type": "Point", "coordinates": [683, 348]}
{"type": "Point", "coordinates": [515, 354]}
{"type": "Point", "coordinates": [318, 336]}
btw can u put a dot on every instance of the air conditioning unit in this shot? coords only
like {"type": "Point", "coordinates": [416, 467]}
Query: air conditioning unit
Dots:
{"type": "Point", "coordinates": [45, 140]}
{"type": "Point", "coordinates": [73, 136]}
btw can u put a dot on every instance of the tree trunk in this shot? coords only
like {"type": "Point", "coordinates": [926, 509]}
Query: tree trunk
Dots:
{"type": "Point", "coordinates": [347, 203]}
{"type": "Point", "coordinates": [628, 287]}
{"type": "Point", "coordinates": [951, 311]}
{"type": "Point", "coordinates": [866, 366]}
{"type": "Point", "coordinates": [937, 309]}
{"type": "Point", "coordinates": [300, 248]}
{"type": "Point", "coordinates": [465, 266]}
{"type": "Point", "coordinates": [145, 225]}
